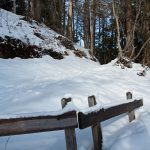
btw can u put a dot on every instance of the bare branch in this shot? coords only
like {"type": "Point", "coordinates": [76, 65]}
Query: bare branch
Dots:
{"type": "Point", "coordinates": [143, 46]}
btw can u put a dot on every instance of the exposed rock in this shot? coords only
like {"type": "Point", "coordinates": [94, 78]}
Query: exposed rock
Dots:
{"type": "Point", "coordinates": [39, 35]}
{"type": "Point", "coordinates": [53, 54]}
{"type": "Point", "coordinates": [11, 48]}
{"type": "Point", "coordinates": [66, 54]}
{"type": "Point", "coordinates": [124, 63]}
{"type": "Point", "coordinates": [66, 42]}
{"type": "Point", "coordinates": [80, 54]}
{"type": "Point", "coordinates": [142, 73]}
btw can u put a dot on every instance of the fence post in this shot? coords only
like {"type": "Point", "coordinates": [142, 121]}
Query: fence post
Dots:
{"type": "Point", "coordinates": [70, 134]}
{"type": "Point", "coordinates": [96, 129]}
{"type": "Point", "coordinates": [132, 113]}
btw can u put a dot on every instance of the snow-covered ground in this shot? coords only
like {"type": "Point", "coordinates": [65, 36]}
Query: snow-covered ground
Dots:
{"type": "Point", "coordinates": [38, 85]}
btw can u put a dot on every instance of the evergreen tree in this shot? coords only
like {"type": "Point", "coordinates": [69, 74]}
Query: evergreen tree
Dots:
{"type": "Point", "coordinates": [6, 4]}
{"type": "Point", "coordinates": [21, 7]}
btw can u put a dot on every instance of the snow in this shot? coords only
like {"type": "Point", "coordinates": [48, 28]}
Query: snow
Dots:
{"type": "Point", "coordinates": [30, 87]}
{"type": "Point", "coordinates": [15, 26]}
{"type": "Point", "coordinates": [99, 107]}
{"type": "Point", "coordinates": [38, 85]}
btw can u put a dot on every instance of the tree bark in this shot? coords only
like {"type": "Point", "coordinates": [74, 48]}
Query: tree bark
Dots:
{"type": "Point", "coordinates": [103, 32]}
{"type": "Point", "coordinates": [77, 20]}
{"type": "Point", "coordinates": [70, 17]}
{"type": "Point", "coordinates": [86, 24]}
{"type": "Point", "coordinates": [64, 17]}
{"type": "Point", "coordinates": [120, 54]}
{"type": "Point", "coordinates": [14, 6]}
{"type": "Point", "coordinates": [92, 9]}
{"type": "Point", "coordinates": [36, 7]}
{"type": "Point", "coordinates": [129, 28]}
{"type": "Point", "coordinates": [146, 59]}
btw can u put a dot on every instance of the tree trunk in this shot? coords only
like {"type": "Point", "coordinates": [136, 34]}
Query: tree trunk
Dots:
{"type": "Point", "coordinates": [129, 30]}
{"type": "Point", "coordinates": [103, 32]}
{"type": "Point", "coordinates": [31, 3]}
{"type": "Point", "coordinates": [73, 24]}
{"type": "Point", "coordinates": [36, 9]}
{"type": "Point", "coordinates": [146, 59]}
{"type": "Point", "coordinates": [14, 6]}
{"type": "Point", "coordinates": [120, 54]}
{"type": "Point", "coordinates": [77, 21]}
{"type": "Point", "coordinates": [99, 31]}
{"type": "Point", "coordinates": [64, 17]}
{"type": "Point", "coordinates": [92, 12]}
{"type": "Point", "coordinates": [86, 24]}
{"type": "Point", "coordinates": [70, 17]}
{"type": "Point", "coordinates": [59, 8]}
{"type": "Point", "coordinates": [21, 8]}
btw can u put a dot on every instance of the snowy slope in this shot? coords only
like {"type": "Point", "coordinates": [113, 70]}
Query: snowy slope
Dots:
{"type": "Point", "coordinates": [38, 85]}
{"type": "Point", "coordinates": [34, 33]}
{"type": "Point", "coordinates": [14, 26]}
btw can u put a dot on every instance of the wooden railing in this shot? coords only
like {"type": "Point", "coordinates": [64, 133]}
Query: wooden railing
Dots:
{"type": "Point", "coordinates": [68, 121]}
{"type": "Point", "coordinates": [25, 125]}
{"type": "Point", "coordinates": [86, 120]}
{"type": "Point", "coordinates": [94, 118]}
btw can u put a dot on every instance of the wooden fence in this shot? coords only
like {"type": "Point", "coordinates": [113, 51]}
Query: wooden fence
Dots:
{"type": "Point", "coordinates": [68, 121]}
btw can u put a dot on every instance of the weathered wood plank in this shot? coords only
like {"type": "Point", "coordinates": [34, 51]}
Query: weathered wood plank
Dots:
{"type": "Point", "coordinates": [70, 135]}
{"type": "Point", "coordinates": [132, 113]}
{"type": "Point", "coordinates": [86, 120]}
{"type": "Point", "coordinates": [96, 129]}
{"type": "Point", "coordinates": [25, 125]}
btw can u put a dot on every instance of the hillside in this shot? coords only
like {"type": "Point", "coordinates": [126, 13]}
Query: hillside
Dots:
{"type": "Point", "coordinates": [37, 85]}
{"type": "Point", "coordinates": [29, 39]}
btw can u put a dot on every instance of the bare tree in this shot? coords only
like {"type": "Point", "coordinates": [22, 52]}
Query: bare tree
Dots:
{"type": "Point", "coordinates": [120, 54]}
{"type": "Point", "coordinates": [131, 26]}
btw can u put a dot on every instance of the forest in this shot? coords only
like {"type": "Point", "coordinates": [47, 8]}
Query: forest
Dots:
{"type": "Point", "coordinates": [109, 28]}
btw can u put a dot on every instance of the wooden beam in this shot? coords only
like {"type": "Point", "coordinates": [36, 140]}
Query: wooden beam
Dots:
{"type": "Point", "coordinates": [70, 134]}
{"type": "Point", "coordinates": [25, 125]}
{"type": "Point", "coordinates": [86, 120]}
{"type": "Point", "coordinates": [96, 128]}
{"type": "Point", "coordinates": [131, 114]}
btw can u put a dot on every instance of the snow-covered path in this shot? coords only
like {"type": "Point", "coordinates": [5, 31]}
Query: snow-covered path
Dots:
{"type": "Point", "coordinates": [38, 85]}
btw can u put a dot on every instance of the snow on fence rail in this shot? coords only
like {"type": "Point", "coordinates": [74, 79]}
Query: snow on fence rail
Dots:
{"type": "Point", "coordinates": [24, 125]}
{"type": "Point", "coordinates": [86, 120]}
{"type": "Point", "coordinates": [68, 121]}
